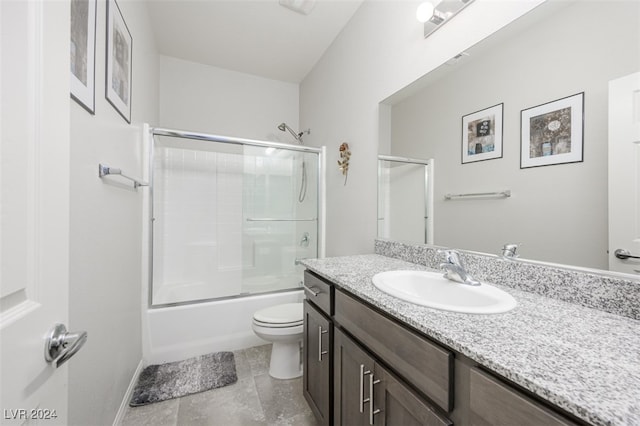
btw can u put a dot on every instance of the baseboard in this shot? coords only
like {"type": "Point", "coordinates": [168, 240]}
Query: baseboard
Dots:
{"type": "Point", "coordinates": [127, 396]}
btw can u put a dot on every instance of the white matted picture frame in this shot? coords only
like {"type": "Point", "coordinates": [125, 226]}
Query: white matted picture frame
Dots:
{"type": "Point", "coordinates": [482, 134]}
{"type": "Point", "coordinates": [119, 58]}
{"type": "Point", "coordinates": [553, 133]}
{"type": "Point", "coordinates": [83, 53]}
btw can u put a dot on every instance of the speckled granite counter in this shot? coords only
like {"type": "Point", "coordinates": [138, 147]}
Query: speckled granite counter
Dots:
{"type": "Point", "coordinates": [583, 360]}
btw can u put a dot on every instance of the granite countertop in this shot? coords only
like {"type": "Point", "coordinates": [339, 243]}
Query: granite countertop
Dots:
{"type": "Point", "coordinates": [583, 360]}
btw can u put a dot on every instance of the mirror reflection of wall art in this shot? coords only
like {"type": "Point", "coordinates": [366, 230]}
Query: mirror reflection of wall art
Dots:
{"type": "Point", "coordinates": [482, 134]}
{"type": "Point", "coordinates": [83, 53]}
{"type": "Point", "coordinates": [552, 133]}
{"type": "Point", "coordinates": [119, 57]}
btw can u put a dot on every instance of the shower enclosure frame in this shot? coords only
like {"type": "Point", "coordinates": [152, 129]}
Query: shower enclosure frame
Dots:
{"type": "Point", "coordinates": [152, 132]}
{"type": "Point", "coordinates": [428, 190]}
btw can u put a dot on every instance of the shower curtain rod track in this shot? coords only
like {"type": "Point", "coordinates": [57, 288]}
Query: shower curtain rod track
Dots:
{"type": "Point", "coordinates": [270, 219]}
{"type": "Point", "coordinates": [157, 131]}
{"type": "Point", "coordinates": [403, 159]}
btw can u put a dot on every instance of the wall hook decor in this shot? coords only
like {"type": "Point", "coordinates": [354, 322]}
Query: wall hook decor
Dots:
{"type": "Point", "coordinates": [343, 162]}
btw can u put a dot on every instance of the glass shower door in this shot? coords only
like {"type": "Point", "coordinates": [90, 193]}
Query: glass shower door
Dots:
{"type": "Point", "coordinates": [405, 203]}
{"type": "Point", "coordinates": [280, 217]}
{"type": "Point", "coordinates": [230, 219]}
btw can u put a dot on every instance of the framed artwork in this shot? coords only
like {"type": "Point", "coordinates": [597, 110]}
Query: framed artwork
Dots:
{"type": "Point", "coordinates": [552, 133]}
{"type": "Point", "coordinates": [482, 134]}
{"type": "Point", "coordinates": [119, 58]}
{"type": "Point", "coordinates": [83, 53]}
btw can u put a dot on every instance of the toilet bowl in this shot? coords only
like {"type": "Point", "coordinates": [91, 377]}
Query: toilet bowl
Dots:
{"type": "Point", "coordinates": [282, 325]}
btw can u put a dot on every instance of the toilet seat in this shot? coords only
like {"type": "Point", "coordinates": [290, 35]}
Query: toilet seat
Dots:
{"type": "Point", "coordinates": [280, 316]}
{"type": "Point", "coordinates": [282, 325]}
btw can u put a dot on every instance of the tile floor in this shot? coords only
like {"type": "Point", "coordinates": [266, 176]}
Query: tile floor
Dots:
{"type": "Point", "coordinates": [255, 399]}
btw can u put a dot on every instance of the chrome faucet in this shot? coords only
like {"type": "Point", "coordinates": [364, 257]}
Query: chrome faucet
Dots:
{"type": "Point", "coordinates": [454, 268]}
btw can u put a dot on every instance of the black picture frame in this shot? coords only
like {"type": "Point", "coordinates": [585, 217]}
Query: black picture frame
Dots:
{"type": "Point", "coordinates": [482, 134]}
{"type": "Point", "coordinates": [82, 50]}
{"type": "Point", "coordinates": [553, 133]}
{"type": "Point", "coordinates": [119, 67]}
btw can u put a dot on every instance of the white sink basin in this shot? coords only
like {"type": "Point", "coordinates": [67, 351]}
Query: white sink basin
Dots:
{"type": "Point", "coordinates": [431, 289]}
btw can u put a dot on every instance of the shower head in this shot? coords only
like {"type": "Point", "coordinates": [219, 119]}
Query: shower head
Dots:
{"type": "Point", "coordinates": [283, 127]}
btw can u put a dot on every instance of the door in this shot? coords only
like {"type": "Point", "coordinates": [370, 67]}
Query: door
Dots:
{"type": "Point", "coordinates": [34, 206]}
{"type": "Point", "coordinates": [352, 369]}
{"type": "Point", "coordinates": [317, 362]}
{"type": "Point", "coordinates": [624, 173]}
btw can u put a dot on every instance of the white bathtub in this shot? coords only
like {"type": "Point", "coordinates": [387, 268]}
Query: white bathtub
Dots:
{"type": "Point", "coordinates": [180, 332]}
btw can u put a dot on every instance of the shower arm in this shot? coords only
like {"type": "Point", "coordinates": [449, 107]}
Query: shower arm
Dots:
{"type": "Point", "coordinates": [284, 126]}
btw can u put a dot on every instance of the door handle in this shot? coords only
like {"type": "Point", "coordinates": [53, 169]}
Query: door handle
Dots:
{"type": "Point", "coordinates": [62, 345]}
{"type": "Point", "coordinates": [320, 351]}
{"type": "Point", "coordinates": [624, 254]}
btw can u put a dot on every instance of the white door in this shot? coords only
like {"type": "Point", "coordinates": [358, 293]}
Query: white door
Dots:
{"type": "Point", "coordinates": [624, 173]}
{"type": "Point", "coordinates": [34, 206]}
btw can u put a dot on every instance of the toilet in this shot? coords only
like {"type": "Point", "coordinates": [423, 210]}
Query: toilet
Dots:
{"type": "Point", "coordinates": [282, 325]}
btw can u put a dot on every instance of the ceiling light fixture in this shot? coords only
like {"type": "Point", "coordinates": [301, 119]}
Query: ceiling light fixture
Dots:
{"type": "Point", "coordinates": [303, 7]}
{"type": "Point", "coordinates": [434, 13]}
{"type": "Point", "coordinates": [426, 9]}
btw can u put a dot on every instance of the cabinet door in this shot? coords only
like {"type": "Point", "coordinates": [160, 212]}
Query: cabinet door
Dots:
{"type": "Point", "coordinates": [495, 403]}
{"type": "Point", "coordinates": [318, 335]}
{"type": "Point", "coordinates": [352, 367]}
{"type": "Point", "coordinates": [397, 405]}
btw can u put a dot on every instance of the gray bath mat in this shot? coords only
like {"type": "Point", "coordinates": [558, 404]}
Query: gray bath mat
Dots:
{"type": "Point", "coordinates": [175, 379]}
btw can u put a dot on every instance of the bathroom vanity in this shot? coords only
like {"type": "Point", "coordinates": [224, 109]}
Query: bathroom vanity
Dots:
{"type": "Point", "coordinates": [370, 358]}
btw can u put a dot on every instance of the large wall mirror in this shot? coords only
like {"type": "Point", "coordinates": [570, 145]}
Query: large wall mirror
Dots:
{"type": "Point", "coordinates": [558, 213]}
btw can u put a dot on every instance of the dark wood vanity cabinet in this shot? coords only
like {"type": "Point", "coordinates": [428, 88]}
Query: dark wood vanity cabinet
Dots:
{"type": "Point", "coordinates": [366, 393]}
{"type": "Point", "coordinates": [364, 368]}
{"type": "Point", "coordinates": [318, 347]}
{"type": "Point", "coordinates": [495, 403]}
{"type": "Point", "coordinates": [352, 367]}
{"type": "Point", "coordinates": [317, 359]}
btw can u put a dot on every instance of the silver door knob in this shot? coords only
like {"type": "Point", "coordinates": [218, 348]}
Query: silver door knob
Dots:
{"type": "Point", "coordinates": [62, 345]}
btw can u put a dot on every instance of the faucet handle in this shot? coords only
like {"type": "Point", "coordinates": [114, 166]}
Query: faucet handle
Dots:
{"type": "Point", "coordinates": [452, 257]}
{"type": "Point", "coordinates": [510, 251]}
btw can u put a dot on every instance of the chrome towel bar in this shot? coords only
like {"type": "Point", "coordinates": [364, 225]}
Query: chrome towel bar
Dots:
{"type": "Point", "coordinates": [104, 170]}
{"type": "Point", "coordinates": [505, 194]}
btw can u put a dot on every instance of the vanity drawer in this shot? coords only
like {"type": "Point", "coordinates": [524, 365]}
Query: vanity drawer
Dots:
{"type": "Point", "coordinates": [424, 364]}
{"type": "Point", "coordinates": [495, 403]}
{"type": "Point", "coordinates": [318, 292]}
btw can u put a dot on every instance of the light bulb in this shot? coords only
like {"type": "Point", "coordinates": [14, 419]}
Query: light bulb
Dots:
{"type": "Point", "coordinates": [425, 11]}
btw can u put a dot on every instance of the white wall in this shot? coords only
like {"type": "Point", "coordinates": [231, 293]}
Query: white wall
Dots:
{"type": "Point", "coordinates": [380, 51]}
{"type": "Point", "coordinates": [208, 99]}
{"type": "Point", "coordinates": [558, 213]}
{"type": "Point", "coordinates": [105, 240]}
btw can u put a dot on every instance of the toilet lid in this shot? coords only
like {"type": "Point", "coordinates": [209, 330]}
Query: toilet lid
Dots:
{"type": "Point", "coordinates": [280, 314]}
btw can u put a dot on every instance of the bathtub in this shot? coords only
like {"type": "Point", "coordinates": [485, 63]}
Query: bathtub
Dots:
{"type": "Point", "coordinates": [181, 332]}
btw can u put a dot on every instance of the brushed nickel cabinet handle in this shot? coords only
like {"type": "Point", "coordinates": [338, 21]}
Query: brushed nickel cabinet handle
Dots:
{"type": "Point", "coordinates": [313, 290]}
{"type": "Point", "coordinates": [320, 351]}
{"type": "Point", "coordinates": [362, 398]}
{"type": "Point", "coordinates": [372, 412]}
